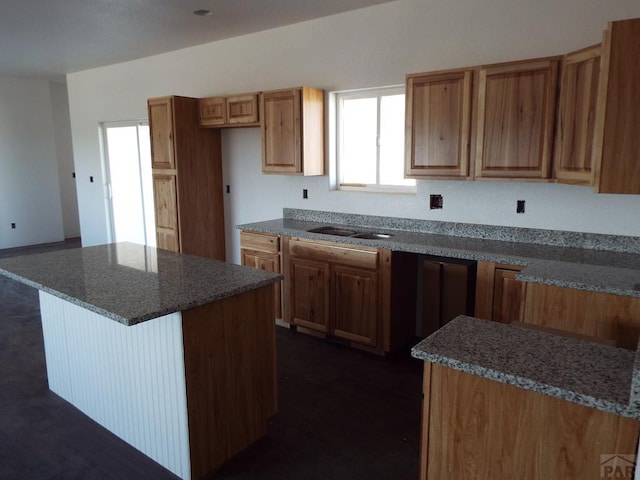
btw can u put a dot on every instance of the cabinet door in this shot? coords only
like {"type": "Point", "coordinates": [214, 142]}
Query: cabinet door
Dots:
{"type": "Point", "coordinates": [309, 294]}
{"type": "Point", "coordinates": [508, 296]}
{"type": "Point", "coordinates": [161, 128]}
{"type": "Point", "coordinates": [269, 262]}
{"type": "Point", "coordinates": [516, 105]}
{"type": "Point", "coordinates": [576, 116]}
{"type": "Point", "coordinates": [242, 109]}
{"type": "Point", "coordinates": [617, 143]}
{"type": "Point", "coordinates": [213, 111]}
{"type": "Point", "coordinates": [281, 132]}
{"type": "Point", "coordinates": [355, 304]}
{"type": "Point", "coordinates": [438, 124]}
{"type": "Point", "coordinates": [166, 210]}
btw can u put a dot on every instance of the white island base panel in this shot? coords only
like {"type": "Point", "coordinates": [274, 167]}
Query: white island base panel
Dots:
{"type": "Point", "coordinates": [128, 379]}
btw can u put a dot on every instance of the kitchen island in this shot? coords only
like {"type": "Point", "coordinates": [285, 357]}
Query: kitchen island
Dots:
{"type": "Point", "coordinates": [173, 353]}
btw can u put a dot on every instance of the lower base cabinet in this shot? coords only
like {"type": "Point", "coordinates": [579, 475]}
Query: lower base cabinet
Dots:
{"type": "Point", "coordinates": [343, 291]}
{"type": "Point", "coordinates": [502, 298]}
{"type": "Point", "coordinates": [262, 251]}
{"type": "Point", "coordinates": [476, 428]}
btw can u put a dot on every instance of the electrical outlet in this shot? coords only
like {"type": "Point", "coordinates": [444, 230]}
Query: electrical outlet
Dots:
{"type": "Point", "coordinates": [305, 194]}
{"type": "Point", "coordinates": [435, 201]}
{"type": "Point", "coordinates": [228, 189]}
{"type": "Point", "coordinates": [91, 179]}
{"type": "Point", "coordinates": [520, 206]}
{"type": "Point", "coordinates": [13, 225]}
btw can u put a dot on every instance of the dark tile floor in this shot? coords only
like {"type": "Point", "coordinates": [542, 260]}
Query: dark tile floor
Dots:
{"type": "Point", "coordinates": [343, 414]}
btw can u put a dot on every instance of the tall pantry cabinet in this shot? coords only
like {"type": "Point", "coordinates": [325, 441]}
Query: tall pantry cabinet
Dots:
{"type": "Point", "coordinates": [187, 179]}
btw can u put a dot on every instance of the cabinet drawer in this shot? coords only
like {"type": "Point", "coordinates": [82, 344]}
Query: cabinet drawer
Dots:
{"type": "Point", "coordinates": [260, 241]}
{"type": "Point", "coordinates": [355, 256]}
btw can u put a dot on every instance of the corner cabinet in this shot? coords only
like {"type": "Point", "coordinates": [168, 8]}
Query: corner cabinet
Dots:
{"type": "Point", "coordinates": [438, 124]}
{"type": "Point", "coordinates": [187, 179]}
{"type": "Point", "coordinates": [339, 290]}
{"type": "Point", "coordinates": [262, 251]}
{"type": "Point", "coordinates": [515, 119]}
{"type": "Point", "coordinates": [616, 139]}
{"type": "Point", "coordinates": [293, 131]}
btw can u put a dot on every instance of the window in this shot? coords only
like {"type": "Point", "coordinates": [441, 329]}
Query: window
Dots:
{"type": "Point", "coordinates": [370, 140]}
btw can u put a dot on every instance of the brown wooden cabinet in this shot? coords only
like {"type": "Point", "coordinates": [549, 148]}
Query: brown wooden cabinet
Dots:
{"type": "Point", "coordinates": [515, 119]}
{"type": "Point", "coordinates": [474, 427]}
{"type": "Point", "coordinates": [499, 296]}
{"type": "Point", "coordinates": [339, 290]}
{"type": "Point", "coordinates": [438, 124]}
{"type": "Point", "coordinates": [616, 141]}
{"type": "Point", "coordinates": [575, 124]}
{"type": "Point", "coordinates": [187, 179]}
{"type": "Point", "coordinates": [229, 111]}
{"type": "Point", "coordinates": [262, 251]}
{"type": "Point", "coordinates": [502, 298]}
{"type": "Point", "coordinates": [293, 131]}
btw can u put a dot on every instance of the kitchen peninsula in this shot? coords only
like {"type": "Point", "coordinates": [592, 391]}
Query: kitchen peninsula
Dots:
{"type": "Point", "coordinates": [173, 353]}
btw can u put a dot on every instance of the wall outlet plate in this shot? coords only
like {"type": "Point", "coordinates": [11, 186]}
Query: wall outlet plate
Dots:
{"type": "Point", "coordinates": [435, 201]}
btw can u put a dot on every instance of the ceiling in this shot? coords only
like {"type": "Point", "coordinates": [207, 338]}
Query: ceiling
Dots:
{"type": "Point", "coordinates": [47, 39]}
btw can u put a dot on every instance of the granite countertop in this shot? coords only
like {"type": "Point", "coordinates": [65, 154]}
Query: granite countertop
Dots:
{"type": "Point", "coordinates": [132, 283]}
{"type": "Point", "coordinates": [595, 262]}
{"type": "Point", "coordinates": [576, 370]}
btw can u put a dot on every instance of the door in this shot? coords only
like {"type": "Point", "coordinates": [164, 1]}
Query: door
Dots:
{"type": "Point", "coordinates": [438, 122]}
{"type": "Point", "coordinates": [281, 129]}
{"type": "Point", "coordinates": [129, 182]}
{"type": "Point", "coordinates": [309, 294]}
{"type": "Point", "coordinates": [355, 302]}
{"type": "Point", "coordinates": [269, 262]}
{"type": "Point", "coordinates": [516, 105]}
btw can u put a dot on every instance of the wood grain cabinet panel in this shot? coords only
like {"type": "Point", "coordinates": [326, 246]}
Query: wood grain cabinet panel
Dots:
{"type": "Point", "coordinates": [166, 212]}
{"type": "Point", "coordinates": [161, 128]}
{"type": "Point", "coordinates": [499, 296]}
{"type": "Point", "coordinates": [476, 428]}
{"type": "Point", "coordinates": [229, 111]}
{"type": "Point", "coordinates": [293, 131]}
{"type": "Point", "coordinates": [356, 302]}
{"type": "Point", "coordinates": [340, 290]}
{"type": "Point", "coordinates": [575, 125]}
{"type": "Point", "coordinates": [616, 141]}
{"type": "Point", "coordinates": [309, 290]}
{"type": "Point", "coordinates": [187, 179]}
{"type": "Point", "coordinates": [438, 123]}
{"type": "Point", "coordinates": [515, 119]}
{"type": "Point", "coordinates": [213, 111]}
{"type": "Point", "coordinates": [262, 251]}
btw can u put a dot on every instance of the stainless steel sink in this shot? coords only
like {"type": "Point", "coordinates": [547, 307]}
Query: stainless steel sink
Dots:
{"type": "Point", "coordinates": [341, 232]}
{"type": "Point", "coordinates": [344, 232]}
{"type": "Point", "coordinates": [372, 235]}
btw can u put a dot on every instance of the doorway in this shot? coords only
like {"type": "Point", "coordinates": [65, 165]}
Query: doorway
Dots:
{"type": "Point", "coordinates": [129, 183]}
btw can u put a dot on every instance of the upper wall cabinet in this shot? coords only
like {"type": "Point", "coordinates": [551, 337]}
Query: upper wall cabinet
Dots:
{"type": "Point", "coordinates": [231, 111]}
{"type": "Point", "coordinates": [438, 124]}
{"type": "Point", "coordinates": [576, 116]}
{"type": "Point", "coordinates": [293, 131]}
{"type": "Point", "coordinates": [616, 146]}
{"type": "Point", "coordinates": [515, 119]}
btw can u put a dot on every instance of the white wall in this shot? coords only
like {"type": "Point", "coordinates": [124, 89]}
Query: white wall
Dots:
{"type": "Point", "coordinates": [370, 47]}
{"type": "Point", "coordinates": [64, 154]}
{"type": "Point", "coordinates": [29, 189]}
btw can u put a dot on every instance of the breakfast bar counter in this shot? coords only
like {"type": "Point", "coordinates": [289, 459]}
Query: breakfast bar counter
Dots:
{"type": "Point", "coordinates": [173, 353]}
{"type": "Point", "coordinates": [506, 401]}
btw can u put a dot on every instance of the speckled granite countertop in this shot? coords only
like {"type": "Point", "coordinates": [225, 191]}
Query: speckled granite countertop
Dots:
{"type": "Point", "coordinates": [579, 371]}
{"type": "Point", "coordinates": [595, 262]}
{"type": "Point", "coordinates": [131, 283]}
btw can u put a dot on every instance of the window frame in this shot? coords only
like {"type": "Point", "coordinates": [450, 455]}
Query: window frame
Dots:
{"type": "Point", "coordinates": [378, 93]}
